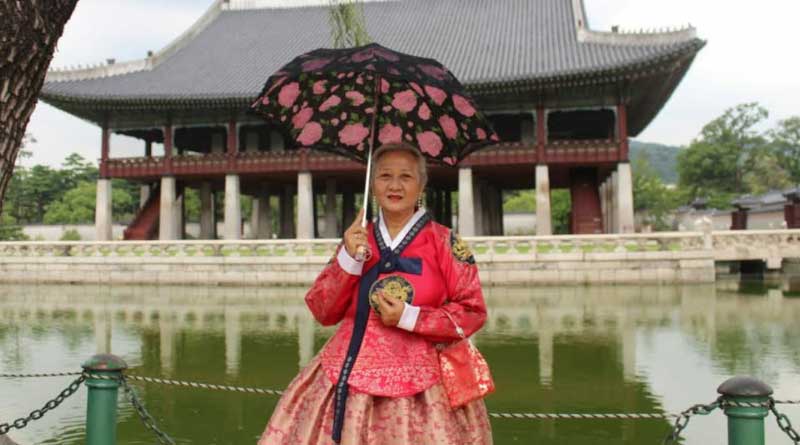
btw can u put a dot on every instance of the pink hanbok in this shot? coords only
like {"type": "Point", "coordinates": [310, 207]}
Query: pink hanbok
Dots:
{"type": "Point", "coordinates": [391, 380]}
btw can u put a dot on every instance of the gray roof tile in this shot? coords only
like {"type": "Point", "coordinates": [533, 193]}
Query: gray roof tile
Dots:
{"type": "Point", "coordinates": [481, 41]}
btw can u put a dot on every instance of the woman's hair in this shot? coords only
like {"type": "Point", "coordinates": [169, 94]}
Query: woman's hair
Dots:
{"type": "Point", "coordinates": [405, 147]}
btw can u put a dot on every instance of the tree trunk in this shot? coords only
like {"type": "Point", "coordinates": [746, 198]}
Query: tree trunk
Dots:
{"type": "Point", "coordinates": [29, 30]}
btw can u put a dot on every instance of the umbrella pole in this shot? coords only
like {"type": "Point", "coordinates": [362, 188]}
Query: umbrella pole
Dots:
{"type": "Point", "coordinates": [362, 251]}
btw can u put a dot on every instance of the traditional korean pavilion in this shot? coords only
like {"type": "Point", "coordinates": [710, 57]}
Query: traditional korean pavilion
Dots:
{"type": "Point", "coordinates": [563, 98]}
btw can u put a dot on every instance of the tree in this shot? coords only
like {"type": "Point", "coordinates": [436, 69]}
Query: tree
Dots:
{"type": "Point", "coordinates": [29, 31]}
{"type": "Point", "coordinates": [346, 18]}
{"type": "Point", "coordinates": [77, 206]}
{"type": "Point", "coordinates": [786, 146]}
{"type": "Point", "coordinates": [727, 148]}
{"type": "Point", "coordinates": [651, 197]}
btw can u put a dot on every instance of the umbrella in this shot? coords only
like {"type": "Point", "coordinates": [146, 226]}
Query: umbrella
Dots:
{"type": "Point", "coordinates": [349, 100]}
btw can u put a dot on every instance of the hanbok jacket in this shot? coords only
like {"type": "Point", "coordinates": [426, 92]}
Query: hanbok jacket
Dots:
{"type": "Point", "coordinates": [400, 361]}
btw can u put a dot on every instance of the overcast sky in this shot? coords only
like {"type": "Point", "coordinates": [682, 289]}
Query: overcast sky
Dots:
{"type": "Point", "coordinates": [751, 55]}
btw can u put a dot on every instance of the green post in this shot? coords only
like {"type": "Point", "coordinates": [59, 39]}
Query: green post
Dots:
{"type": "Point", "coordinates": [101, 409]}
{"type": "Point", "coordinates": [745, 423]}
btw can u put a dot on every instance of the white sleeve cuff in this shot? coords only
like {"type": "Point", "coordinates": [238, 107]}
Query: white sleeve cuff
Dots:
{"type": "Point", "coordinates": [348, 263]}
{"type": "Point", "coordinates": [409, 318]}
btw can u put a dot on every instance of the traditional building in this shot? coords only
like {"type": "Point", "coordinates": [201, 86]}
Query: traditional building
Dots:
{"type": "Point", "coordinates": [563, 97]}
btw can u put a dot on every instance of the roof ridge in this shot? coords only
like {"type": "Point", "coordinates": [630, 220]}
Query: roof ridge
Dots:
{"type": "Point", "coordinates": [662, 36]}
{"type": "Point", "coordinates": [152, 60]}
{"type": "Point", "coordinates": [244, 5]}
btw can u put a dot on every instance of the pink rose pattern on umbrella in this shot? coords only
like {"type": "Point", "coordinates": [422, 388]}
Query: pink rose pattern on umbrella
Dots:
{"type": "Point", "coordinates": [326, 100]}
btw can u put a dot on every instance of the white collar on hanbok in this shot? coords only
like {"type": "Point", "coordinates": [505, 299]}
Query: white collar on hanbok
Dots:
{"type": "Point", "coordinates": [393, 243]}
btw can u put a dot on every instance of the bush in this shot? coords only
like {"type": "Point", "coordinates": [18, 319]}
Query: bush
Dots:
{"type": "Point", "coordinates": [70, 235]}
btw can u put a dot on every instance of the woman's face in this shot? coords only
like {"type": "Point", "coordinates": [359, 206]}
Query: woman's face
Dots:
{"type": "Point", "coordinates": [397, 182]}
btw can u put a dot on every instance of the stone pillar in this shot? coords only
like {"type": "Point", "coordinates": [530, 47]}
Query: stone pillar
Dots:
{"type": "Point", "coordinates": [348, 208]}
{"type": "Point", "coordinates": [466, 203]}
{"type": "Point", "coordinates": [544, 222]}
{"type": "Point", "coordinates": [287, 212]}
{"type": "Point", "coordinates": [208, 223]}
{"type": "Point", "coordinates": [167, 229]}
{"type": "Point", "coordinates": [102, 211]}
{"type": "Point", "coordinates": [603, 211]}
{"type": "Point", "coordinates": [331, 229]}
{"type": "Point", "coordinates": [261, 221]}
{"type": "Point", "coordinates": [625, 198]}
{"type": "Point", "coordinates": [233, 209]}
{"type": "Point", "coordinates": [614, 203]}
{"type": "Point", "coordinates": [144, 195]}
{"type": "Point", "coordinates": [305, 209]}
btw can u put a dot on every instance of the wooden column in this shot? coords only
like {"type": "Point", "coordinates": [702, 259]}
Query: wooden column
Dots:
{"type": "Point", "coordinates": [232, 143]}
{"type": "Point", "coordinates": [622, 131]}
{"type": "Point", "coordinates": [105, 147]}
{"type": "Point", "coordinates": [168, 139]}
{"type": "Point", "coordinates": [541, 135]}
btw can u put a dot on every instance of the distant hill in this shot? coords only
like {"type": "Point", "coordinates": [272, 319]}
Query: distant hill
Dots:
{"type": "Point", "coordinates": [662, 157]}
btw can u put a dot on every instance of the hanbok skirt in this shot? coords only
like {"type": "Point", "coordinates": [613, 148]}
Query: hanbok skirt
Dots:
{"type": "Point", "coordinates": [304, 416]}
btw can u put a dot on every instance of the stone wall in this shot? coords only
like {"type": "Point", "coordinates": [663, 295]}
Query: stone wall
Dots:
{"type": "Point", "coordinates": [680, 258]}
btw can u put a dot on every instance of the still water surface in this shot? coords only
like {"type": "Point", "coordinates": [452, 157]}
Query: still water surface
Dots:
{"type": "Point", "coordinates": [552, 349]}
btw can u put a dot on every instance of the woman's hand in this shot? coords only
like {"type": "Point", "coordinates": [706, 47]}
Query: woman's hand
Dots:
{"type": "Point", "coordinates": [355, 236]}
{"type": "Point", "coordinates": [391, 309]}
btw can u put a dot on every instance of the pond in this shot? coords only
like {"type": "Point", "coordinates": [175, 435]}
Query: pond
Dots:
{"type": "Point", "coordinates": [615, 349]}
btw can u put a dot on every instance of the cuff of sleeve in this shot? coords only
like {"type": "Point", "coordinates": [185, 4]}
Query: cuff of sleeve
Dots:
{"type": "Point", "coordinates": [348, 263]}
{"type": "Point", "coordinates": [409, 317]}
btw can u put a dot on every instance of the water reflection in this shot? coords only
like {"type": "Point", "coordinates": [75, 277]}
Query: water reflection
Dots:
{"type": "Point", "coordinates": [554, 349]}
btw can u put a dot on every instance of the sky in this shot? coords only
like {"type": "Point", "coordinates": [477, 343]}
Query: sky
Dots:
{"type": "Point", "coordinates": [751, 56]}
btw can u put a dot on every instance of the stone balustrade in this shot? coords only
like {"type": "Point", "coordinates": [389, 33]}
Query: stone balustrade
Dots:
{"type": "Point", "coordinates": [613, 258]}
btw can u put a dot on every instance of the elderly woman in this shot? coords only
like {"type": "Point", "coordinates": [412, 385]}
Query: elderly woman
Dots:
{"type": "Point", "coordinates": [378, 380]}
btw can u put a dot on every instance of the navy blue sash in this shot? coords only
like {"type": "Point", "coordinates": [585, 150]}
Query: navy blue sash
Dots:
{"type": "Point", "coordinates": [390, 261]}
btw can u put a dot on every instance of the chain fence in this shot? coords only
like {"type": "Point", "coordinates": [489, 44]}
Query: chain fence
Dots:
{"type": "Point", "coordinates": [37, 414]}
{"type": "Point", "coordinates": [681, 420]}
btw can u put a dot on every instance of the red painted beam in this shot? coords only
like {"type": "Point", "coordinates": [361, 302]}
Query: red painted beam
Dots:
{"type": "Point", "coordinates": [105, 148]}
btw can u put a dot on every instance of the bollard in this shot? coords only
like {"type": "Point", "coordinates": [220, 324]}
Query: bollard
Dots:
{"type": "Point", "coordinates": [745, 424]}
{"type": "Point", "coordinates": [101, 409]}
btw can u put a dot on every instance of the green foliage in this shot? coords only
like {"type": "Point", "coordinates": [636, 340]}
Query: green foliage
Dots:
{"type": "Point", "coordinates": [9, 230]}
{"type": "Point", "coordinates": [520, 201]}
{"type": "Point", "coordinates": [786, 146]}
{"type": "Point", "coordinates": [731, 157]}
{"type": "Point", "coordinates": [346, 18]}
{"type": "Point", "coordinates": [70, 235]}
{"type": "Point", "coordinates": [560, 208]}
{"type": "Point", "coordinates": [651, 198]}
{"type": "Point", "coordinates": [77, 205]}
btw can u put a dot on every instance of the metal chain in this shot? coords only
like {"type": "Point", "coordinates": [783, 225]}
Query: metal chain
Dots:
{"type": "Point", "coordinates": [683, 419]}
{"type": "Point", "coordinates": [37, 414]}
{"type": "Point", "coordinates": [785, 425]}
{"type": "Point", "coordinates": [50, 374]}
{"type": "Point", "coordinates": [145, 416]}
{"type": "Point", "coordinates": [536, 416]}
{"type": "Point", "coordinates": [787, 402]}
{"type": "Point", "coordinates": [245, 389]}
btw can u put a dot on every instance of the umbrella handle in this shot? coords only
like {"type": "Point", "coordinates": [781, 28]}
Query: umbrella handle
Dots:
{"type": "Point", "coordinates": [364, 253]}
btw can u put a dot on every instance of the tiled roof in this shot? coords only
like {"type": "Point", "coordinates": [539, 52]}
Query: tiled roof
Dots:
{"type": "Point", "coordinates": [231, 51]}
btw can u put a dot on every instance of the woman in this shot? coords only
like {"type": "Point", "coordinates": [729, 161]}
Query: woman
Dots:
{"type": "Point", "coordinates": [377, 381]}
